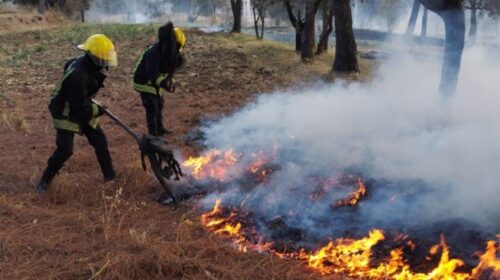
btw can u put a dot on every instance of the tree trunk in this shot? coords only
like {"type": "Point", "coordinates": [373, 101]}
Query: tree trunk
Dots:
{"type": "Point", "coordinates": [454, 21]}
{"type": "Point", "coordinates": [309, 33]}
{"type": "Point", "coordinates": [441, 5]}
{"type": "Point", "coordinates": [83, 15]}
{"type": "Point", "coordinates": [237, 7]}
{"type": "Point", "coordinates": [327, 27]}
{"type": "Point", "coordinates": [423, 33]}
{"type": "Point", "coordinates": [41, 7]}
{"type": "Point", "coordinates": [255, 22]}
{"type": "Point", "coordinates": [297, 24]}
{"type": "Point", "coordinates": [298, 41]}
{"type": "Point", "coordinates": [262, 25]}
{"type": "Point", "coordinates": [473, 22]}
{"type": "Point", "coordinates": [413, 18]}
{"type": "Point", "coordinates": [452, 13]}
{"type": "Point", "coordinates": [258, 16]}
{"type": "Point", "coordinates": [346, 59]}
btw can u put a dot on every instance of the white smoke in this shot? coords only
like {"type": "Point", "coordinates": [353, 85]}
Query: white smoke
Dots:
{"type": "Point", "coordinates": [396, 129]}
{"type": "Point", "coordinates": [128, 11]}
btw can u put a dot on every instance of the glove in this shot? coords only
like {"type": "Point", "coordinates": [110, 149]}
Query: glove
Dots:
{"type": "Point", "coordinates": [171, 86]}
{"type": "Point", "coordinates": [101, 110]}
{"type": "Point", "coordinates": [168, 85]}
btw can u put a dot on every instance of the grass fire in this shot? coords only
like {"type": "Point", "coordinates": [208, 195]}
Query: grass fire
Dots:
{"type": "Point", "coordinates": [262, 140]}
{"type": "Point", "coordinates": [360, 258]}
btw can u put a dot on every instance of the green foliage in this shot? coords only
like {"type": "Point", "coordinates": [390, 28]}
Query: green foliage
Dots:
{"type": "Point", "coordinates": [22, 54]}
{"type": "Point", "coordinates": [78, 33]}
{"type": "Point", "coordinates": [65, 38]}
{"type": "Point", "coordinates": [41, 48]}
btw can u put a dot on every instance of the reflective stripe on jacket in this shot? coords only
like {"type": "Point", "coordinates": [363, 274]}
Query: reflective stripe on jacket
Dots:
{"type": "Point", "coordinates": [71, 102]}
{"type": "Point", "coordinates": [147, 74]}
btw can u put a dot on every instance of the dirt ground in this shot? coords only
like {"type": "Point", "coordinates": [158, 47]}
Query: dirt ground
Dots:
{"type": "Point", "coordinates": [86, 229]}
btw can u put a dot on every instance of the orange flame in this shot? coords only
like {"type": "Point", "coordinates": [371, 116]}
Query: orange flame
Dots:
{"type": "Point", "coordinates": [488, 261]}
{"type": "Point", "coordinates": [224, 226]}
{"type": "Point", "coordinates": [344, 255]}
{"type": "Point", "coordinates": [213, 165]}
{"type": "Point", "coordinates": [218, 165]}
{"type": "Point", "coordinates": [352, 257]}
{"type": "Point", "coordinates": [353, 198]}
{"type": "Point", "coordinates": [349, 257]}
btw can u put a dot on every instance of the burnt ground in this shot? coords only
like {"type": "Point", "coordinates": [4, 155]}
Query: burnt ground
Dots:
{"type": "Point", "coordinates": [83, 228]}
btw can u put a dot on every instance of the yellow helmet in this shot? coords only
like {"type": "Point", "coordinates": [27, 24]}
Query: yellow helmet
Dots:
{"type": "Point", "coordinates": [180, 37]}
{"type": "Point", "coordinates": [101, 48]}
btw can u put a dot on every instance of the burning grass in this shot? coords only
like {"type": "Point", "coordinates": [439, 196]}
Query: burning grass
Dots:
{"type": "Point", "coordinates": [359, 258]}
{"type": "Point", "coordinates": [352, 257]}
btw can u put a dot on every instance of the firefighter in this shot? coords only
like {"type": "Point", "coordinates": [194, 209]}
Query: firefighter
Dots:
{"type": "Point", "coordinates": [73, 110]}
{"type": "Point", "coordinates": [155, 72]}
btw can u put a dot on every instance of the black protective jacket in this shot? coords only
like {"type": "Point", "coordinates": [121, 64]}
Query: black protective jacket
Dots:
{"type": "Point", "coordinates": [71, 102]}
{"type": "Point", "coordinates": [148, 75]}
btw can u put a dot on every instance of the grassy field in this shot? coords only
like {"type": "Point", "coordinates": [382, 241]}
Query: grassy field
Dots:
{"type": "Point", "coordinates": [86, 229]}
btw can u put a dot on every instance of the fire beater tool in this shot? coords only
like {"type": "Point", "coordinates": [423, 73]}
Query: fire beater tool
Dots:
{"type": "Point", "coordinates": [161, 158]}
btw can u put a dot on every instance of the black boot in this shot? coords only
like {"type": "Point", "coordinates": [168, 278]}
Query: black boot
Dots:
{"type": "Point", "coordinates": [109, 175]}
{"type": "Point", "coordinates": [42, 186]}
{"type": "Point", "coordinates": [108, 172]}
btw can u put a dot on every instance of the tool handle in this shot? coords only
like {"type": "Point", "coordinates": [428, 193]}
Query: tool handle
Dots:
{"type": "Point", "coordinates": [122, 125]}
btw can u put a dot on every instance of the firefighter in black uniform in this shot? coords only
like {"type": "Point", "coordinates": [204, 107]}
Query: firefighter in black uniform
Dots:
{"type": "Point", "coordinates": [73, 110]}
{"type": "Point", "coordinates": [155, 72]}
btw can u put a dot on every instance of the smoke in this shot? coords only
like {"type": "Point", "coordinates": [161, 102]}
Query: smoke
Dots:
{"type": "Point", "coordinates": [128, 11]}
{"type": "Point", "coordinates": [427, 158]}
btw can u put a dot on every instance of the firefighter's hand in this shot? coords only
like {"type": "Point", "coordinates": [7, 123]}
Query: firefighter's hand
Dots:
{"type": "Point", "coordinates": [168, 85]}
{"type": "Point", "coordinates": [102, 109]}
{"type": "Point", "coordinates": [171, 86]}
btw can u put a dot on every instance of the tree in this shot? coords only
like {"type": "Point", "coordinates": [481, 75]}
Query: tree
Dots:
{"type": "Point", "coordinates": [423, 32]}
{"type": "Point", "coordinates": [237, 7]}
{"type": "Point", "coordinates": [309, 32]}
{"type": "Point", "coordinates": [480, 7]}
{"type": "Point", "coordinates": [327, 15]}
{"type": "Point", "coordinates": [452, 13]}
{"type": "Point", "coordinates": [41, 7]}
{"type": "Point", "coordinates": [297, 22]}
{"type": "Point", "coordinates": [259, 8]}
{"type": "Point", "coordinates": [346, 50]}
{"type": "Point", "coordinates": [476, 6]}
{"type": "Point", "coordinates": [413, 17]}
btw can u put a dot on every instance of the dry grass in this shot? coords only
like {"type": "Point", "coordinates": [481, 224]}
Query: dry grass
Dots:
{"type": "Point", "coordinates": [287, 63]}
{"type": "Point", "coordinates": [85, 229]}
{"type": "Point", "coordinates": [18, 19]}
{"type": "Point", "coordinates": [119, 238]}
{"type": "Point", "coordinates": [14, 119]}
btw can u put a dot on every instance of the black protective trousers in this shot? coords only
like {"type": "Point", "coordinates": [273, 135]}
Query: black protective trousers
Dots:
{"type": "Point", "coordinates": [64, 150]}
{"type": "Point", "coordinates": [154, 112]}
